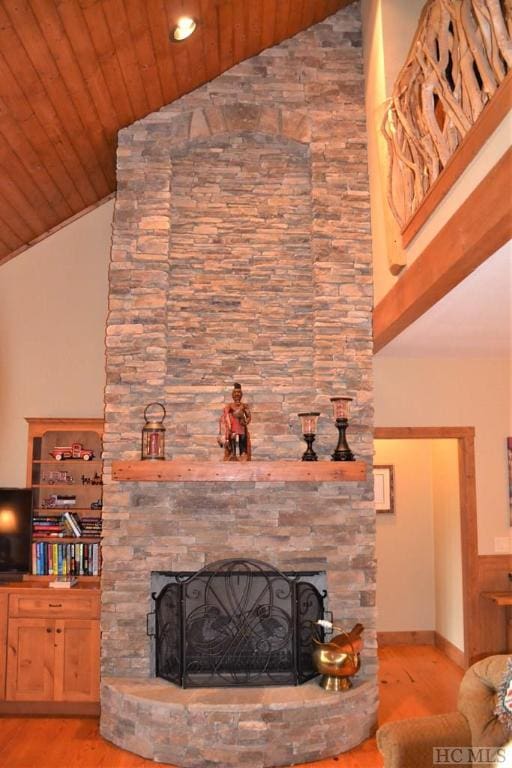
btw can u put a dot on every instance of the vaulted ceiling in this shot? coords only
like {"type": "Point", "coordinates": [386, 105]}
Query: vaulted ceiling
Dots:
{"type": "Point", "coordinates": [74, 72]}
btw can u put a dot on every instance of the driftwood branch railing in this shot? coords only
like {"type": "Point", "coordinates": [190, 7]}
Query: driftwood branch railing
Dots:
{"type": "Point", "coordinates": [461, 53]}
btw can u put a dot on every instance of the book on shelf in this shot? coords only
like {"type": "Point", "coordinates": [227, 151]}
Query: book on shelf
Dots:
{"type": "Point", "coordinates": [63, 582]}
{"type": "Point", "coordinates": [66, 558]}
{"type": "Point", "coordinates": [72, 523]}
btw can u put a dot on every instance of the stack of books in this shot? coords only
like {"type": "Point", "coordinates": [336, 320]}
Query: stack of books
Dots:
{"type": "Point", "coordinates": [43, 526]}
{"type": "Point", "coordinates": [72, 523]}
{"type": "Point", "coordinates": [91, 526]}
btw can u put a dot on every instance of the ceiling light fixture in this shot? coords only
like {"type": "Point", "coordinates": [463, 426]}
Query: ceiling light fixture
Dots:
{"type": "Point", "coordinates": [183, 29]}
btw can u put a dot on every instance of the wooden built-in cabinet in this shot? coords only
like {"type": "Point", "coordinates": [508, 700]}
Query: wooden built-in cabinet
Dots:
{"type": "Point", "coordinates": [66, 480]}
{"type": "Point", "coordinates": [50, 649]}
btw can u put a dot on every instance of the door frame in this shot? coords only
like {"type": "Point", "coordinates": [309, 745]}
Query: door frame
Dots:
{"type": "Point", "coordinates": [465, 437]}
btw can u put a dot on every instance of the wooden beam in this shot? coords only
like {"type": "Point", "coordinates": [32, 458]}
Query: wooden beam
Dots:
{"type": "Point", "coordinates": [180, 471]}
{"type": "Point", "coordinates": [477, 229]}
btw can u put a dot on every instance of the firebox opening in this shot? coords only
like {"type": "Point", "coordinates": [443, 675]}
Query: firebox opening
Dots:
{"type": "Point", "coordinates": [235, 622]}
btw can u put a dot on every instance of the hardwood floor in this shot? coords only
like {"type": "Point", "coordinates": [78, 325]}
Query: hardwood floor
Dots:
{"type": "Point", "coordinates": [414, 681]}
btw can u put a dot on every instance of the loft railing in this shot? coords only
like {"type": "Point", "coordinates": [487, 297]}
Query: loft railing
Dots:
{"type": "Point", "coordinates": [461, 53]}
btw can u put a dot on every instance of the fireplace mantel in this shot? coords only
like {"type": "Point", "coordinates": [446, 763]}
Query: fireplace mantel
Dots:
{"type": "Point", "coordinates": [180, 470]}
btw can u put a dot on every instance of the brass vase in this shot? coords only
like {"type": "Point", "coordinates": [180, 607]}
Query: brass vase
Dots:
{"type": "Point", "coordinates": [339, 660]}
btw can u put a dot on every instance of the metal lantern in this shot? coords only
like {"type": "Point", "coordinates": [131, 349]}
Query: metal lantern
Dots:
{"type": "Point", "coordinates": [341, 411]}
{"type": "Point", "coordinates": [153, 435]}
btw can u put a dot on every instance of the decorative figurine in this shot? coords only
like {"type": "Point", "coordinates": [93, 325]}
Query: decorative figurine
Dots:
{"type": "Point", "coordinates": [338, 659]}
{"type": "Point", "coordinates": [73, 451]}
{"type": "Point", "coordinates": [233, 433]}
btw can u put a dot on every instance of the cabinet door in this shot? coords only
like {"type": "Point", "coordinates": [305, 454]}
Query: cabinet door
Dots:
{"type": "Point", "coordinates": [77, 646]}
{"type": "Point", "coordinates": [3, 642]}
{"type": "Point", "coordinates": [30, 660]}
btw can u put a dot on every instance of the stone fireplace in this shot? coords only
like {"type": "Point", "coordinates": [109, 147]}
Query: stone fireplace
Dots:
{"type": "Point", "coordinates": [241, 251]}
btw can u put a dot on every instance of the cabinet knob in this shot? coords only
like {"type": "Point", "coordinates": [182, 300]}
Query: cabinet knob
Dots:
{"type": "Point", "coordinates": [59, 631]}
{"type": "Point", "coordinates": [48, 629]}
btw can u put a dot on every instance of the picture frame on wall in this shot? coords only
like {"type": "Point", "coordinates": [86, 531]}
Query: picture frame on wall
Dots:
{"type": "Point", "coordinates": [384, 488]}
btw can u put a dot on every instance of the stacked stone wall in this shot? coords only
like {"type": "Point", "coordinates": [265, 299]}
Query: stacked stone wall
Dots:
{"type": "Point", "coordinates": [241, 250]}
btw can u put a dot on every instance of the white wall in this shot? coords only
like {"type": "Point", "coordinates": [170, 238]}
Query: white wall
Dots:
{"type": "Point", "coordinates": [456, 392]}
{"type": "Point", "coordinates": [53, 305]}
{"type": "Point", "coordinates": [447, 541]}
{"type": "Point", "coordinates": [405, 540]}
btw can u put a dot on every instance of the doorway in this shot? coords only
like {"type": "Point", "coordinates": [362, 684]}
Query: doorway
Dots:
{"type": "Point", "coordinates": [467, 513]}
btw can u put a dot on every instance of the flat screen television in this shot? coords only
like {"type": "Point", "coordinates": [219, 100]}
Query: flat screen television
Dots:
{"type": "Point", "coordinates": [15, 532]}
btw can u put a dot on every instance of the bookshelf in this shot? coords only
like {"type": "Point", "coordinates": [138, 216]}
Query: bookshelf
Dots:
{"type": "Point", "coordinates": [64, 470]}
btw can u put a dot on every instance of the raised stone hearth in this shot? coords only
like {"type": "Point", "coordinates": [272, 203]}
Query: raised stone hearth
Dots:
{"type": "Point", "coordinates": [241, 252]}
{"type": "Point", "coordinates": [253, 727]}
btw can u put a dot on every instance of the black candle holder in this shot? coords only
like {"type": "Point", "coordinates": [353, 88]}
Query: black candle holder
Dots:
{"type": "Point", "coordinates": [341, 409]}
{"type": "Point", "coordinates": [342, 451]}
{"type": "Point", "coordinates": [309, 422]}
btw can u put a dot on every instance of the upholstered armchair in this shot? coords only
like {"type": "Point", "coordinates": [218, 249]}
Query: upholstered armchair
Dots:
{"type": "Point", "coordinates": [410, 743]}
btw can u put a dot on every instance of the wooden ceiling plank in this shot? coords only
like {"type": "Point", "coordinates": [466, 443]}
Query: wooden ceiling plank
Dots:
{"type": "Point", "coordinates": [157, 17]}
{"type": "Point", "coordinates": [45, 118]}
{"type": "Point", "coordinates": [119, 27]}
{"type": "Point", "coordinates": [333, 6]}
{"type": "Point", "coordinates": [101, 126]}
{"type": "Point", "coordinates": [211, 35]}
{"type": "Point", "coordinates": [268, 30]}
{"type": "Point", "coordinates": [239, 32]}
{"type": "Point", "coordinates": [77, 52]}
{"type": "Point", "coordinates": [295, 17]}
{"type": "Point", "coordinates": [13, 168]}
{"type": "Point", "coordinates": [81, 44]}
{"type": "Point", "coordinates": [282, 15]}
{"type": "Point", "coordinates": [25, 119]}
{"type": "Point", "coordinates": [321, 10]}
{"type": "Point", "coordinates": [308, 13]}
{"type": "Point", "coordinates": [106, 59]}
{"type": "Point", "coordinates": [9, 240]}
{"type": "Point", "coordinates": [188, 55]}
{"type": "Point", "coordinates": [254, 28]}
{"type": "Point", "coordinates": [141, 37]}
{"type": "Point", "coordinates": [63, 117]}
{"type": "Point", "coordinates": [226, 35]}
{"type": "Point", "coordinates": [22, 149]}
{"type": "Point", "coordinates": [9, 205]}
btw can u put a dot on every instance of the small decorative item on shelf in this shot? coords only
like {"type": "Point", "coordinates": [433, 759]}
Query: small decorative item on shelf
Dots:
{"type": "Point", "coordinates": [338, 660]}
{"type": "Point", "coordinates": [73, 451]}
{"type": "Point", "coordinates": [153, 435]}
{"type": "Point", "coordinates": [309, 421]}
{"type": "Point", "coordinates": [63, 582]}
{"type": "Point", "coordinates": [234, 421]}
{"type": "Point", "coordinates": [341, 412]}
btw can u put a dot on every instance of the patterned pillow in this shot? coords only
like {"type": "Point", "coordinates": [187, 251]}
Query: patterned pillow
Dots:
{"type": "Point", "coordinates": [503, 709]}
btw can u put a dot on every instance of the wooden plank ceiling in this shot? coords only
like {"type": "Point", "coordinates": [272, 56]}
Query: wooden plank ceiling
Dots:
{"type": "Point", "coordinates": [74, 72]}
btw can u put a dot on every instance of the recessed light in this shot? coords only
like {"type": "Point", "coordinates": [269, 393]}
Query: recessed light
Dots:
{"type": "Point", "coordinates": [183, 29]}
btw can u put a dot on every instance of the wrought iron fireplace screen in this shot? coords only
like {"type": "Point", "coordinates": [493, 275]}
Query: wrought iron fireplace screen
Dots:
{"type": "Point", "coordinates": [236, 622]}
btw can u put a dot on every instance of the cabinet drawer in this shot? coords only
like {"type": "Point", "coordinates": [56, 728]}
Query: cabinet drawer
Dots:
{"type": "Point", "coordinates": [55, 605]}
